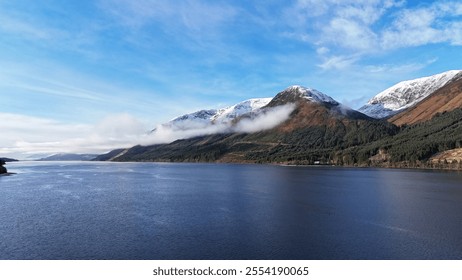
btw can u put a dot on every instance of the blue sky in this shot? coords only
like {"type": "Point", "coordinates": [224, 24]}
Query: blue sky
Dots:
{"type": "Point", "coordinates": [72, 69]}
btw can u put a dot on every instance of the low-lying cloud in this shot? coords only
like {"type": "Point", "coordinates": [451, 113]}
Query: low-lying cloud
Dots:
{"type": "Point", "coordinates": [262, 120]}
{"type": "Point", "coordinates": [166, 134]}
{"type": "Point", "coordinates": [26, 137]}
{"type": "Point", "coordinates": [267, 119]}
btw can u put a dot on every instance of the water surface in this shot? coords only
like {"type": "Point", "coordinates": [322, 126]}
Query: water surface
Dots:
{"type": "Point", "coordinates": [86, 210]}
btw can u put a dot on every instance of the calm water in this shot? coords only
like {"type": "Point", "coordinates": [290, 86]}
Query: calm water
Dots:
{"type": "Point", "coordinates": [209, 211]}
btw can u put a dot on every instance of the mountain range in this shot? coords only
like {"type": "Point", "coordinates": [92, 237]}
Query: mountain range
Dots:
{"type": "Point", "coordinates": [411, 124]}
{"type": "Point", "coordinates": [205, 118]}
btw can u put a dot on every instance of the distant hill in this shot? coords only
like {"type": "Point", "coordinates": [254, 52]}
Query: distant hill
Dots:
{"type": "Point", "coordinates": [69, 157]}
{"type": "Point", "coordinates": [109, 156]}
{"type": "Point", "coordinates": [8, 159]}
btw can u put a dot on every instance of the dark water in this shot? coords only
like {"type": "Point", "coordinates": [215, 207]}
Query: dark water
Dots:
{"type": "Point", "coordinates": [208, 211]}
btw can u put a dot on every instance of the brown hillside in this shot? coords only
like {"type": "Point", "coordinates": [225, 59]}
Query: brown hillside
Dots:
{"type": "Point", "coordinates": [446, 99]}
{"type": "Point", "coordinates": [308, 114]}
{"type": "Point", "coordinates": [449, 156]}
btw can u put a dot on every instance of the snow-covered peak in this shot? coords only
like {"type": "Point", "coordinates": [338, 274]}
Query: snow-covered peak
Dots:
{"type": "Point", "coordinates": [294, 94]}
{"type": "Point", "coordinates": [311, 94]}
{"type": "Point", "coordinates": [406, 94]}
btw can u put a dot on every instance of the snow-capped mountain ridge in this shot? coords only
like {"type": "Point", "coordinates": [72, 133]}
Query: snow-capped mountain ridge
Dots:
{"type": "Point", "coordinates": [406, 94]}
{"type": "Point", "coordinates": [225, 116]}
{"type": "Point", "coordinates": [241, 108]}
{"type": "Point", "coordinates": [385, 104]}
{"type": "Point", "coordinates": [203, 118]}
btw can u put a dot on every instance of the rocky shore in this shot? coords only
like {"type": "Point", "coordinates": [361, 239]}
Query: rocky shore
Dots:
{"type": "Point", "coordinates": [3, 169]}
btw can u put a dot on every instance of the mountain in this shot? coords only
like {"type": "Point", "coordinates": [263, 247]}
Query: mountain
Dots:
{"type": "Point", "coordinates": [304, 126]}
{"type": "Point", "coordinates": [8, 159]}
{"type": "Point", "coordinates": [312, 108]}
{"type": "Point", "coordinates": [69, 157]}
{"type": "Point", "coordinates": [312, 128]}
{"type": "Point", "coordinates": [406, 94]}
{"type": "Point", "coordinates": [445, 99]}
{"type": "Point", "coordinates": [110, 155]}
{"type": "Point", "coordinates": [297, 93]}
{"type": "Point", "coordinates": [205, 118]}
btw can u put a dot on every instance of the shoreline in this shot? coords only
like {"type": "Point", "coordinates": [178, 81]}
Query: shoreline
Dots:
{"type": "Point", "coordinates": [255, 163]}
{"type": "Point", "coordinates": [302, 165]}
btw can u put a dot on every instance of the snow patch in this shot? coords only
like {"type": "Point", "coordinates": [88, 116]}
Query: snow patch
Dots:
{"type": "Point", "coordinates": [312, 94]}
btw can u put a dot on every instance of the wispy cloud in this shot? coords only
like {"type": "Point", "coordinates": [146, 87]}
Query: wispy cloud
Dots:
{"type": "Point", "coordinates": [59, 90]}
{"type": "Point", "coordinates": [361, 28]}
{"type": "Point", "coordinates": [398, 69]}
{"type": "Point", "coordinates": [72, 95]}
{"type": "Point", "coordinates": [199, 20]}
{"type": "Point", "coordinates": [338, 62]}
{"type": "Point", "coordinates": [437, 23]}
{"type": "Point", "coordinates": [348, 24]}
{"type": "Point", "coordinates": [14, 25]}
{"type": "Point", "coordinates": [67, 32]}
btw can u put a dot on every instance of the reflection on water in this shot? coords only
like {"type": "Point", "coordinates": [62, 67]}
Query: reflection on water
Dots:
{"type": "Point", "coordinates": [218, 211]}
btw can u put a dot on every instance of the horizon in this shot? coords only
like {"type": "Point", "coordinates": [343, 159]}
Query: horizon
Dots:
{"type": "Point", "coordinates": [91, 76]}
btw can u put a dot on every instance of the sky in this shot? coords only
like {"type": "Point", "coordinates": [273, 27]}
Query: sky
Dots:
{"type": "Point", "coordinates": [93, 75]}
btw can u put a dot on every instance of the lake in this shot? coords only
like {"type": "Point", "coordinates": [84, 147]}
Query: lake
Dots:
{"type": "Point", "coordinates": [102, 210]}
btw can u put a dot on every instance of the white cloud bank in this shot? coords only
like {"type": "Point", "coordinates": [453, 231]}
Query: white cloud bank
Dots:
{"type": "Point", "coordinates": [26, 137]}
{"type": "Point", "coordinates": [30, 137]}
